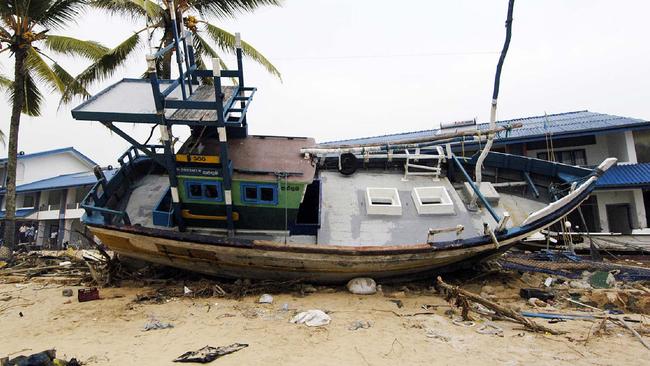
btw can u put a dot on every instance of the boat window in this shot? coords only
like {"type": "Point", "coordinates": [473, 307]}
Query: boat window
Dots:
{"type": "Point", "coordinates": [207, 191]}
{"type": "Point", "coordinates": [210, 191]}
{"type": "Point", "coordinates": [195, 191]}
{"type": "Point", "coordinates": [266, 194]}
{"type": "Point", "coordinates": [259, 193]}
{"type": "Point", "coordinates": [250, 193]}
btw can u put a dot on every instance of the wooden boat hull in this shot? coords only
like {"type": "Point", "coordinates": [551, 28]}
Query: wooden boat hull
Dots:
{"type": "Point", "coordinates": [265, 260]}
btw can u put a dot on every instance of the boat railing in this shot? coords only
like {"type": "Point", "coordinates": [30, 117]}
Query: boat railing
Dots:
{"type": "Point", "coordinates": [100, 193]}
{"type": "Point", "coordinates": [234, 108]}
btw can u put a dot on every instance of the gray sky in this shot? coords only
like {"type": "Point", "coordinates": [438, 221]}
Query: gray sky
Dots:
{"type": "Point", "coordinates": [361, 68]}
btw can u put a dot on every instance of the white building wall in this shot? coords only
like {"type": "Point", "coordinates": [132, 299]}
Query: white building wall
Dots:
{"type": "Point", "coordinates": [633, 197]}
{"type": "Point", "coordinates": [595, 153]}
{"type": "Point", "coordinates": [619, 145]}
{"type": "Point", "coordinates": [32, 169]}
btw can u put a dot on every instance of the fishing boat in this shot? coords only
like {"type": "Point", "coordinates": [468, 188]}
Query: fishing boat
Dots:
{"type": "Point", "coordinates": [236, 205]}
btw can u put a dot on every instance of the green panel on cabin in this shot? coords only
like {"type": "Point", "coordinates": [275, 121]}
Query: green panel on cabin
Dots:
{"type": "Point", "coordinates": [292, 195]}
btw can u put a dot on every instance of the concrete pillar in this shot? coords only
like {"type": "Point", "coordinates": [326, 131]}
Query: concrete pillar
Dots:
{"type": "Point", "coordinates": [67, 230]}
{"type": "Point", "coordinates": [61, 233]}
{"type": "Point", "coordinates": [602, 212]}
{"type": "Point", "coordinates": [639, 209]}
{"type": "Point", "coordinates": [629, 146]}
{"type": "Point", "coordinates": [40, 236]}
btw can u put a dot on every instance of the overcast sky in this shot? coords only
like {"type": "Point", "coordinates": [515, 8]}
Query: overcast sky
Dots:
{"type": "Point", "coordinates": [372, 67]}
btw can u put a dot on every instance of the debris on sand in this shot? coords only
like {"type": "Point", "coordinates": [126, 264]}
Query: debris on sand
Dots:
{"type": "Point", "coordinates": [362, 286]}
{"type": "Point", "coordinates": [311, 318]}
{"type": "Point", "coordinates": [463, 297]}
{"type": "Point", "coordinates": [209, 354]}
{"type": "Point", "coordinates": [45, 358]}
{"type": "Point", "coordinates": [265, 299]}
{"type": "Point", "coordinates": [360, 324]}
{"type": "Point", "coordinates": [154, 324]}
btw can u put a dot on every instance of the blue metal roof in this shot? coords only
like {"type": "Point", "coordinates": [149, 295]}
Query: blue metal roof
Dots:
{"type": "Point", "coordinates": [54, 152]}
{"type": "Point", "coordinates": [20, 213]}
{"type": "Point", "coordinates": [63, 181]}
{"type": "Point", "coordinates": [625, 176]}
{"type": "Point", "coordinates": [559, 125]}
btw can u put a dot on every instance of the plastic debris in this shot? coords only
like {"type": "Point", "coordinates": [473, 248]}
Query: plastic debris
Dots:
{"type": "Point", "coordinates": [209, 354]}
{"type": "Point", "coordinates": [579, 285]}
{"type": "Point", "coordinates": [186, 291]}
{"type": "Point", "coordinates": [311, 318]}
{"type": "Point", "coordinates": [528, 293]}
{"type": "Point", "coordinates": [399, 303]}
{"type": "Point", "coordinates": [88, 294]}
{"type": "Point", "coordinates": [490, 328]}
{"type": "Point", "coordinates": [548, 282]}
{"type": "Point", "coordinates": [154, 323]}
{"type": "Point", "coordinates": [45, 358]}
{"type": "Point", "coordinates": [67, 292]}
{"type": "Point", "coordinates": [362, 286]}
{"type": "Point", "coordinates": [463, 323]}
{"type": "Point", "coordinates": [602, 279]}
{"type": "Point", "coordinates": [65, 263]}
{"type": "Point", "coordinates": [265, 299]}
{"type": "Point", "coordinates": [360, 324]}
{"type": "Point", "coordinates": [432, 333]}
{"type": "Point", "coordinates": [535, 302]}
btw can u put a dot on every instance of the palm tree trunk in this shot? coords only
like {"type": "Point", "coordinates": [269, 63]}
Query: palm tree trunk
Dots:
{"type": "Point", "coordinates": [166, 67]}
{"type": "Point", "coordinates": [17, 108]}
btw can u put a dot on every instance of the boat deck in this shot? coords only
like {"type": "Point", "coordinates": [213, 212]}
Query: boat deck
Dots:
{"type": "Point", "coordinates": [131, 100]}
{"type": "Point", "coordinates": [344, 219]}
{"type": "Point", "coordinates": [145, 194]}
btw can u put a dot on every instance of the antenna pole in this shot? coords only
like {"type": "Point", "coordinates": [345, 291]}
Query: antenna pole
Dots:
{"type": "Point", "coordinates": [495, 95]}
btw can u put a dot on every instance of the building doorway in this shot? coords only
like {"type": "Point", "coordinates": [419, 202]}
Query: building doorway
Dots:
{"type": "Point", "coordinates": [618, 218]}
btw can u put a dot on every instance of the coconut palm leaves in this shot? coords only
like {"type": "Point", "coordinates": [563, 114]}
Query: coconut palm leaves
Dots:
{"type": "Point", "coordinates": [209, 39]}
{"type": "Point", "coordinates": [25, 36]}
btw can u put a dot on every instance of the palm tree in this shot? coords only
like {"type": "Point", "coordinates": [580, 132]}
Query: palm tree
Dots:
{"type": "Point", "coordinates": [159, 30]}
{"type": "Point", "coordinates": [24, 34]}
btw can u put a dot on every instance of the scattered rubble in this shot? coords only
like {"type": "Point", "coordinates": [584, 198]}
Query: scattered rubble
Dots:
{"type": "Point", "coordinates": [360, 324]}
{"type": "Point", "coordinates": [154, 324]}
{"type": "Point", "coordinates": [209, 354]}
{"type": "Point", "coordinates": [265, 299]}
{"type": "Point", "coordinates": [362, 286]}
{"type": "Point", "coordinates": [311, 318]}
{"type": "Point", "coordinates": [45, 358]}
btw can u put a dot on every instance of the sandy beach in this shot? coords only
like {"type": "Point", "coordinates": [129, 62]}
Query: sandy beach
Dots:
{"type": "Point", "coordinates": [110, 331]}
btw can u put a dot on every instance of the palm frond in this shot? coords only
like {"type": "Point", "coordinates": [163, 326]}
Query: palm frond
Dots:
{"type": "Point", "coordinates": [76, 89]}
{"type": "Point", "coordinates": [130, 8]}
{"type": "Point", "coordinates": [75, 47]}
{"type": "Point", "coordinates": [226, 41]}
{"type": "Point", "coordinates": [104, 66]}
{"type": "Point", "coordinates": [203, 48]}
{"type": "Point", "coordinates": [4, 33]}
{"type": "Point", "coordinates": [229, 8]}
{"type": "Point", "coordinates": [59, 13]}
{"type": "Point", "coordinates": [33, 96]}
{"type": "Point", "coordinates": [5, 82]}
{"type": "Point", "coordinates": [35, 63]}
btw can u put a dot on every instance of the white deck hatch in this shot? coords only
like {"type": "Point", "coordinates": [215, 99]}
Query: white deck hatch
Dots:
{"type": "Point", "coordinates": [383, 201]}
{"type": "Point", "coordinates": [432, 201]}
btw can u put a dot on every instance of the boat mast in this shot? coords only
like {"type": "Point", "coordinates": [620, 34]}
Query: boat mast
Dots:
{"type": "Point", "coordinates": [495, 95]}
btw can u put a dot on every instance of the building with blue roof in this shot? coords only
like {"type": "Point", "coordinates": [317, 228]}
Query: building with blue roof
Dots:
{"type": "Point", "coordinates": [582, 138]}
{"type": "Point", "coordinates": [49, 188]}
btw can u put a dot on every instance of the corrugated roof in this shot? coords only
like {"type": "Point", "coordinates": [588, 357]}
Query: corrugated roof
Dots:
{"type": "Point", "coordinates": [569, 123]}
{"type": "Point", "coordinates": [54, 152]}
{"type": "Point", "coordinates": [63, 181]}
{"type": "Point", "coordinates": [625, 176]}
{"type": "Point", "coordinates": [20, 213]}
